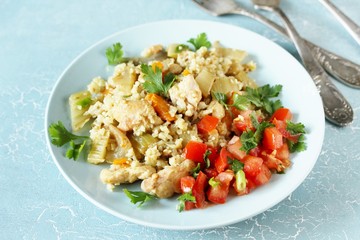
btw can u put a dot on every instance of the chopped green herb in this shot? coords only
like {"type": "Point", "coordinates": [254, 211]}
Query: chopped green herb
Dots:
{"type": "Point", "coordinates": [241, 102]}
{"type": "Point", "coordinates": [114, 54]}
{"type": "Point", "coordinates": [299, 146]}
{"type": "Point", "coordinates": [295, 128]}
{"type": "Point", "coordinates": [260, 97]}
{"type": "Point", "coordinates": [213, 182]}
{"type": "Point", "coordinates": [251, 139]}
{"type": "Point", "coordinates": [181, 47]}
{"type": "Point", "coordinates": [154, 82]}
{"type": "Point", "coordinates": [235, 165]}
{"type": "Point", "coordinates": [183, 198]}
{"type": "Point", "coordinates": [75, 149]}
{"type": "Point", "coordinates": [200, 41]}
{"type": "Point", "coordinates": [206, 158]}
{"type": "Point", "coordinates": [196, 170]}
{"type": "Point", "coordinates": [60, 135]}
{"type": "Point", "coordinates": [221, 98]}
{"type": "Point", "coordinates": [138, 197]}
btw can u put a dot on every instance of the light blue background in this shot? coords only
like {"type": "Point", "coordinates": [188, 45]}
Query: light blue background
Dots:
{"type": "Point", "coordinates": [38, 39]}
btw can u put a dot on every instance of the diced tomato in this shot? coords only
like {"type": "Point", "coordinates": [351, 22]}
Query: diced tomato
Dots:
{"type": "Point", "coordinates": [283, 152]}
{"type": "Point", "coordinates": [263, 176]}
{"type": "Point", "coordinates": [282, 114]}
{"type": "Point", "coordinates": [221, 163]}
{"type": "Point", "coordinates": [255, 151]}
{"type": "Point", "coordinates": [273, 162]}
{"type": "Point", "coordinates": [234, 146]}
{"type": "Point", "coordinates": [210, 172]}
{"type": "Point", "coordinates": [243, 121]}
{"type": "Point", "coordinates": [219, 193]}
{"type": "Point", "coordinates": [207, 124]}
{"type": "Point", "coordinates": [187, 183]}
{"type": "Point", "coordinates": [281, 126]}
{"type": "Point", "coordinates": [195, 151]}
{"type": "Point", "coordinates": [199, 190]}
{"type": "Point", "coordinates": [252, 165]}
{"type": "Point", "coordinates": [272, 138]}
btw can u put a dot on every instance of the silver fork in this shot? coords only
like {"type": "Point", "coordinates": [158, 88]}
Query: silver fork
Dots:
{"type": "Point", "coordinates": [342, 69]}
{"type": "Point", "coordinates": [337, 109]}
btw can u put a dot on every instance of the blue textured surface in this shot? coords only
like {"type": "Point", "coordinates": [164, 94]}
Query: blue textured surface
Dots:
{"type": "Point", "coordinates": [38, 39]}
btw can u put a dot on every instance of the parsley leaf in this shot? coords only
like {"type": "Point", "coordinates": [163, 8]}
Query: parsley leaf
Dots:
{"type": "Point", "coordinates": [183, 198]}
{"type": "Point", "coordinates": [115, 54]}
{"type": "Point", "coordinates": [221, 98]}
{"type": "Point", "coordinates": [241, 102]}
{"type": "Point", "coordinates": [260, 97]}
{"type": "Point", "coordinates": [295, 128]}
{"type": "Point", "coordinates": [200, 41]}
{"type": "Point", "coordinates": [154, 82]}
{"type": "Point", "coordinates": [235, 165]}
{"type": "Point", "coordinates": [60, 135]}
{"type": "Point", "coordinates": [138, 197]}
{"type": "Point", "coordinates": [251, 139]}
{"type": "Point", "coordinates": [75, 149]}
{"type": "Point", "coordinates": [298, 146]}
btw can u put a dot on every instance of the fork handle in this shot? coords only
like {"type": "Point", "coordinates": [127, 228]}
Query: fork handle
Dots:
{"type": "Point", "coordinates": [349, 24]}
{"type": "Point", "coordinates": [337, 109]}
{"type": "Point", "coordinates": [342, 69]}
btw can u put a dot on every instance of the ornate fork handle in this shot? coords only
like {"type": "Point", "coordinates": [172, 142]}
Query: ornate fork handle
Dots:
{"type": "Point", "coordinates": [344, 70]}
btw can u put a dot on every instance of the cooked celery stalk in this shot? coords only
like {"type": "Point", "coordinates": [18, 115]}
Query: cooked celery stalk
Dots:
{"type": "Point", "coordinates": [79, 103]}
{"type": "Point", "coordinates": [141, 143]}
{"type": "Point", "coordinates": [205, 80]}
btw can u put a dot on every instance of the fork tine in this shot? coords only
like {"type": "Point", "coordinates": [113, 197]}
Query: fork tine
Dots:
{"type": "Point", "coordinates": [205, 7]}
{"type": "Point", "coordinates": [216, 7]}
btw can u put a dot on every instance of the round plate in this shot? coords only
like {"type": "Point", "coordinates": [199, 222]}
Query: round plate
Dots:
{"type": "Point", "coordinates": [275, 66]}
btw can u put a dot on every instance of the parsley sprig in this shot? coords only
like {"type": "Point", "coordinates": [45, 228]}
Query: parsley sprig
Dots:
{"type": "Point", "coordinates": [184, 198]}
{"type": "Point", "coordinates": [296, 129]}
{"type": "Point", "coordinates": [115, 54]}
{"type": "Point", "coordinates": [138, 197]}
{"type": "Point", "coordinates": [154, 81]}
{"type": "Point", "coordinates": [200, 41]}
{"type": "Point", "coordinates": [60, 136]}
{"type": "Point", "coordinates": [260, 97]}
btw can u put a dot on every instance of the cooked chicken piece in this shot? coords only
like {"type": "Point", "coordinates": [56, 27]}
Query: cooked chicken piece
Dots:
{"type": "Point", "coordinates": [135, 113]}
{"type": "Point", "coordinates": [166, 182]}
{"type": "Point", "coordinates": [118, 174]}
{"type": "Point", "coordinates": [186, 95]}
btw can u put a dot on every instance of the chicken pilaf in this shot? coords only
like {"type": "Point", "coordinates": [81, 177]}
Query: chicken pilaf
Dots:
{"type": "Point", "coordinates": [184, 119]}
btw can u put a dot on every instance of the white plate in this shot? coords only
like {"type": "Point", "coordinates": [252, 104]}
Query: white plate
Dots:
{"type": "Point", "coordinates": [275, 66]}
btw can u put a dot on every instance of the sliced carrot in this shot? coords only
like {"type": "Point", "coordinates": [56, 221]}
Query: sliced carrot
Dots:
{"type": "Point", "coordinates": [158, 65]}
{"type": "Point", "coordinates": [162, 108]}
{"type": "Point", "coordinates": [185, 72]}
{"type": "Point", "coordinates": [122, 162]}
